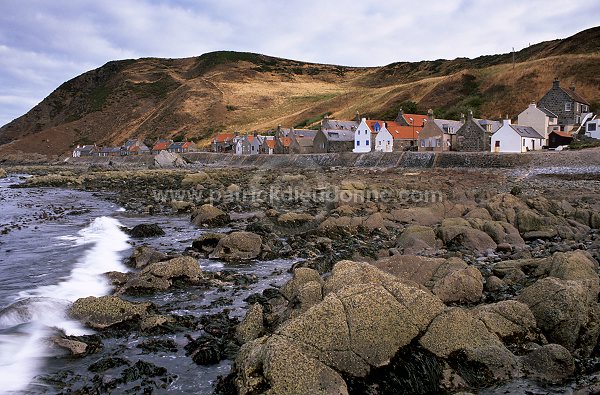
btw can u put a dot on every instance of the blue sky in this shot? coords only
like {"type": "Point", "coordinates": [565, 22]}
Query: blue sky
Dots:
{"type": "Point", "coordinates": [46, 42]}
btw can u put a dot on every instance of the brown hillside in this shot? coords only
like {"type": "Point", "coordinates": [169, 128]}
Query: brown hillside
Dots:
{"type": "Point", "coordinates": [196, 97]}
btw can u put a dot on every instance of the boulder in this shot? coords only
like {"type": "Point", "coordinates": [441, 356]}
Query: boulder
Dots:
{"type": "Point", "coordinates": [238, 247]}
{"type": "Point", "coordinates": [550, 363]}
{"type": "Point", "coordinates": [479, 212]}
{"type": "Point", "coordinates": [462, 286]}
{"type": "Point", "coordinates": [574, 265]}
{"type": "Point", "coordinates": [75, 347]}
{"type": "Point", "coordinates": [166, 160]}
{"type": "Point", "coordinates": [251, 326]}
{"type": "Point", "coordinates": [160, 276]}
{"type": "Point", "coordinates": [193, 179]}
{"type": "Point", "coordinates": [416, 238]}
{"type": "Point", "coordinates": [504, 207]}
{"type": "Point", "coordinates": [2, 173]}
{"type": "Point", "coordinates": [181, 206]}
{"type": "Point", "coordinates": [456, 330]}
{"type": "Point", "coordinates": [144, 255]}
{"type": "Point", "coordinates": [451, 280]}
{"type": "Point", "coordinates": [292, 220]}
{"type": "Point", "coordinates": [106, 311]}
{"type": "Point", "coordinates": [502, 232]}
{"type": "Point", "coordinates": [209, 215]}
{"type": "Point", "coordinates": [145, 230]}
{"type": "Point", "coordinates": [460, 237]}
{"type": "Point", "coordinates": [528, 221]}
{"type": "Point", "coordinates": [207, 242]}
{"type": "Point", "coordinates": [510, 320]}
{"type": "Point", "coordinates": [563, 309]}
{"type": "Point", "coordinates": [424, 216]}
{"type": "Point", "coordinates": [301, 277]}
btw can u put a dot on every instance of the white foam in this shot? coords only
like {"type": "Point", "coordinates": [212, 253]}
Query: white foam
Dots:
{"type": "Point", "coordinates": [36, 311]}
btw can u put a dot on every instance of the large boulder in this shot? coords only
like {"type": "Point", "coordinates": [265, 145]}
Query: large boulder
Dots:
{"type": "Point", "coordinates": [207, 242]}
{"type": "Point", "coordinates": [277, 366]}
{"type": "Point", "coordinates": [166, 160]}
{"type": "Point", "coordinates": [504, 207]}
{"type": "Point", "coordinates": [144, 255]}
{"type": "Point", "coordinates": [252, 326]}
{"type": "Point", "coordinates": [510, 320]}
{"type": "Point", "coordinates": [566, 311]}
{"type": "Point", "coordinates": [106, 311]}
{"type": "Point", "coordinates": [462, 237]}
{"type": "Point", "coordinates": [194, 179]}
{"type": "Point", "coordinates": [551, 363]}
{"type": "Point", "coordinates": [366, 317]}
{"type": "Point", "coordinates": [238, 247]}
{"type": "Point", "coordinates": [574, 265]}
{"type": "Point", "coordinates": [451, 280]}
{"type": "Point", "coordinates": [208, 215]}
{"type": "Point", "coordinates": [145, 230]}
{"type": "Point", "coordinates": [160, 276]}
{"type": "Point", "coordinates": [417, 238]}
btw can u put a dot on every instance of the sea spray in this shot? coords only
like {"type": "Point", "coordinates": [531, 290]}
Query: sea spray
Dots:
{"type": "Point", "coordinates": [25, 324]}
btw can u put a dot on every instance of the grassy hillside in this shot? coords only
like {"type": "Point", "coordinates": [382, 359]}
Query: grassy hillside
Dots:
{"type": "Point", "coordinates": [227, 91]}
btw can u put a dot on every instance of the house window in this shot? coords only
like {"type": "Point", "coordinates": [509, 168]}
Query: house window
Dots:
{"type": "Point", "coordinates": [523, 142]}
{"type": "Point", "coordinates": [568, 106]}
{"type": "Point", "coordinates": [379, 143]}
{"type": "Point", "coordinates": [584, 108]}
{"type": "Point", "coordinates": [367, 142]}
{"type": "Point", "coordinates": [577, 107]}
{"type": "Point", "coordinates": [357, 143]}
{"type": "Point", "coordinates": [591, 127]}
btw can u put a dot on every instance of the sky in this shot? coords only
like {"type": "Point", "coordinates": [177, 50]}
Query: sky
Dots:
{"type": "Point", "coordinates": [44, 43]}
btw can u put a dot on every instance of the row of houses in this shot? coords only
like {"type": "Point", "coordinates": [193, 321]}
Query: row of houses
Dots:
{"type": "Point", "coordinates": [135, 147]}
{"type": "Point", "coordinates": [553, 121]}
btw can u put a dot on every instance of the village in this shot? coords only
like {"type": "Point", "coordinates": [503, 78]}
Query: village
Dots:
{"type": "Point", "coordinates": [558, 118]}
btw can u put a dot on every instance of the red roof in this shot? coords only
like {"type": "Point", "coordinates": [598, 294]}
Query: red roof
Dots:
{"type": "Point", "coordinates": [161, 146]}
{"type": "Point", "coordinates": [222, 137]}
{"type": "Point", "coordinates": [396, 130]}
{"type": "Point", "coordinates": [417, 118]}
{"type": "Point", "coordinates": [285, 141]}
{"type": "Point", "coordinates": [271, 143]}
{"type": "Point", "coordinates": [187, 144]}
{"type": "Point", "coordinates": [562, 134]}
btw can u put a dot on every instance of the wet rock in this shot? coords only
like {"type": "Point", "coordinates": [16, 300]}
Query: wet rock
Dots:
{"type": "Point", "coordinates": [484, 365]}
{"type": "Point", "coordinates": [160, 276]}
{"type": "Point", "coordinates": [207, 242]}
{"type": "Point", "coordinates": [205, 350]}
{"type": "Point", "coordinates": [106, 311]}
{"type": "Point", "coordinates": [208, 215]}
{"type": "Point", "coordinates": [494, 284]}
{"type": "Point", "coordinates": [144, 255]}
{"type": "Point", "coordinates": [158, 345]}
{"type": "Point", "coordinates": [152, 322]}
{"type": "Point", "coordinates": [75, 347]}
{"type": "Point", "coordinates": [292, 220]}
{"type": "Point", "coordinates": [237, 247]}
{"type": "Point", "coordinates": [251, 326]}
{"type": "Point", "coordinates": [105, 364]}
{"type": "Point", "coordinates": [182, 206]}
{"type": "Point", "coordinates": [550, 363]}
{"type": "Point", "coordinates": [145, 230]}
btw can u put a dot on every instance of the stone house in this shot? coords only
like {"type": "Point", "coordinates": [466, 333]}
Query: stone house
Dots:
{"type": "Point", "coordinates": [224, 142]}
{"type": "Point", "coordinates": [267, 146]}
{"type": "Point", "coordinates": [109, 151]}
{"type": "Point", "coordinates": [134, 147]}
{"type": "Point", "coordinates": [516, 138]}
{"type": "Point", "coordinates": [161, 145]}
{"type": "Point", "coordinates": [473, 136]}
{"type": "Point", "coordinates": [436, 134]}
{"type": "Point", "coordinates": [333, 141]}
{"type": "Point", "coordinates": [569, 107]}
{"type": "Point", "coordinates": [86, 150]}
{"type": "Point", "coordinates": [181, 147]}
{"type": "Point", "coordinates": [248, 144]}
{"type": "Point", "coordinates": [282, 144]}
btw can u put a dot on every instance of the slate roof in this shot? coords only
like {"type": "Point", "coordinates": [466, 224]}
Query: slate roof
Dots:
{"type": "Point", "coordinates": [333, 124]}
{"type": "Point", "coordinates": [526, 131]}
{"type": "Point", "coordinates": [574, 95]}
{"type": "Point", "coordinates": [339, 135]}
{"type": "Point", "coordinates": [445, 124]}
{"type": "Point", "coordinates": [305, 133]}
{"type": "Point", "coordinates": [109, 150]}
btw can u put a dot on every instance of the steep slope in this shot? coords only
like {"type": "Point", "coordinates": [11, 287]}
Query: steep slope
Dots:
{"type": "Point", "coordinates": [196, 97]}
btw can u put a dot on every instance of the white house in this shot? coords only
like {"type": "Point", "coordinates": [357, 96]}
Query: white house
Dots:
{"type": "Point", "coordinates": [384, 142]}
{"type": "Point", "coordinates": [362, 137]}
{"type": "Point", "coordinates": [516, 138]}
{"type": "Point", "coordinates": [592, 129]}
{"type": "Point", "coordinates": [541, 119]}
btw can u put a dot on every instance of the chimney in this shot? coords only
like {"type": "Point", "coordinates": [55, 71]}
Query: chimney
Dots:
{"type": "Point", "coordinates": [462, 118]}
{"type": "Point", "coordinates": [556, 83]}
{"type": "Point", "coordinates": [236, 134]}
{"type": "Point", "coordinates": [430, 114]}
{"type": "Point", "coordinates": [255, 134]}
{"type": "Point", "coordinates": [357, 117]}
{"type": "Point", "coordinates": [363, 119]}
{"type": "Point", "coordinates": [400, 118]}
{"type": "Point", "coordinates": [573, 87]}
{"type": "Point", "coordinates": [505, 122]}
{"type": "Point", "coordinates": [470, 115]}
{"type": "Point", "coordinates": [532, 105]}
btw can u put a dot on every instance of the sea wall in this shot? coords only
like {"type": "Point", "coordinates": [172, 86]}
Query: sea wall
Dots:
{"type": "Point", "coordinates": [583, 158]}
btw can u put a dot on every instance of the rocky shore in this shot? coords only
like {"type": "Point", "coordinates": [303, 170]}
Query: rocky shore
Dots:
{"type": "Point", "coordinates": [404, 281]}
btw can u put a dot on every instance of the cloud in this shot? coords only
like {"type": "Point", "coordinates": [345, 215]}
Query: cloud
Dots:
{"type": "Point", "coordinates": [44, 43]}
